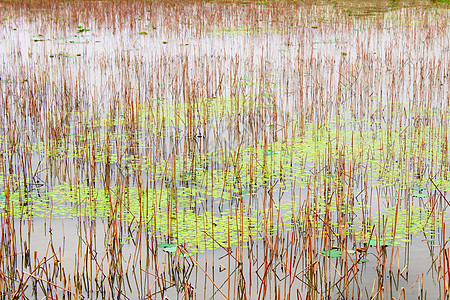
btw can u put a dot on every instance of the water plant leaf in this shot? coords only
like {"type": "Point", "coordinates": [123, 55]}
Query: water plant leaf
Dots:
{"type": "Point", "coordinates": [373, 243]}
{"type": "Point", "coordinates": [418, 188]}
{"type": "Point", "coordinates": [167, 246]}
{"type": "Point", "coordinates": [170, 249]}
{"type": "Point", "coordinates": [419, 195]}
{"type": "Point", "coordinates": [332, 253]}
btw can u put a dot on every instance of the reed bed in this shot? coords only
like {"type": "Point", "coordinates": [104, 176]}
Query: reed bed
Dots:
{"type": "Point", "coordinates": [226, 150]}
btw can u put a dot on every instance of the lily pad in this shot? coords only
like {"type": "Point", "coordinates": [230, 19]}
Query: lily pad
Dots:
{"type": "Point", "coordinates": [332, 253]}
{"type": "Point", "coordinates": [418, 188]}
{"type": "Point", "coordinates": [170, 248]}
{"type": "Point", "coordinates": [373, 243]}
{"type": "Point", "coordinates": [419, 195]}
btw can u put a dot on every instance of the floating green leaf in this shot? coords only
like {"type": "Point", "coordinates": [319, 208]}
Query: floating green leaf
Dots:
{"type": "Point", "coordinates": [373, 243]}
{"type": "Point", "coordinates": [419, 195]}
{"type": "Point", "coordinates": [170, 248]}
{"type": "Point", "coordinates": [418, 188]}
{"type": "Point", "coordinates": [332, 253]}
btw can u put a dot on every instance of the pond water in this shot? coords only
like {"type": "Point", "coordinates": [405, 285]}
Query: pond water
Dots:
{"type": "Point", "coordinates": [224, 150]}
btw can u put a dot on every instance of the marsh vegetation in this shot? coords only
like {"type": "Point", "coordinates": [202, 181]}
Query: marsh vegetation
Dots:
{"type": "Point", "coordinates": [226, 150]}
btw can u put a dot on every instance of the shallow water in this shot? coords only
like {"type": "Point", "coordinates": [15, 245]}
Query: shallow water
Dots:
{"type": "Point", "coordinates": [278, 130]}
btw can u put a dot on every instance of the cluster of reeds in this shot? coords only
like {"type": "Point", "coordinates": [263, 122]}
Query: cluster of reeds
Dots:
{"type": "Point", "coordinates": [263, 150]}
